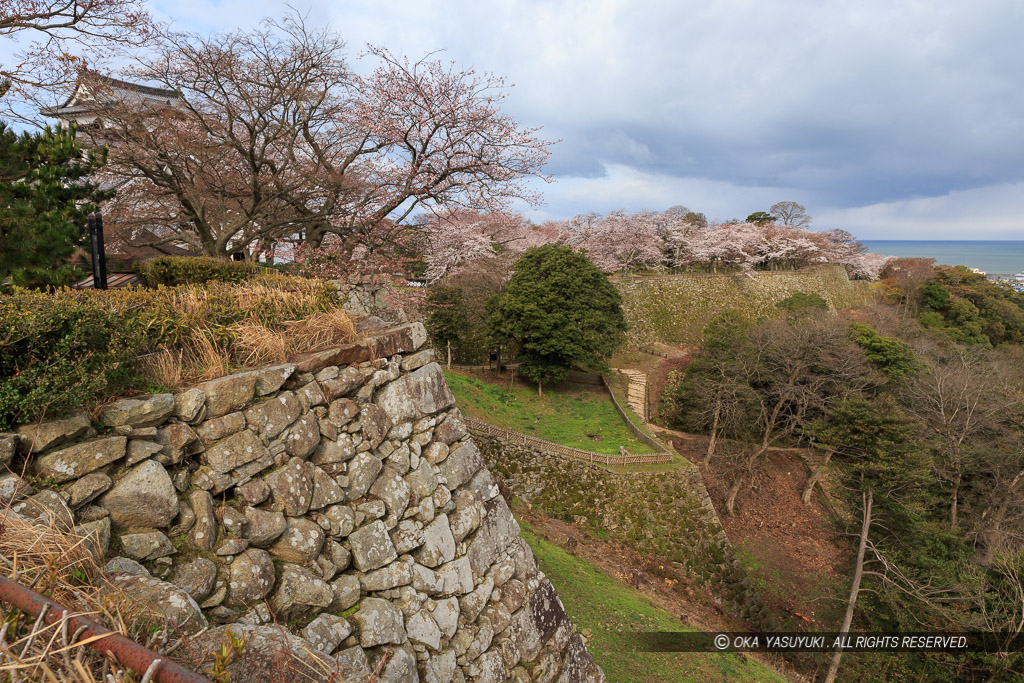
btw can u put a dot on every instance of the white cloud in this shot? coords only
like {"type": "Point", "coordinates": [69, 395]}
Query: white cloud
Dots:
{"type": "Point", "coordinates": [729, 106]}
{"type": "Point", "coordinates": [987, 213]}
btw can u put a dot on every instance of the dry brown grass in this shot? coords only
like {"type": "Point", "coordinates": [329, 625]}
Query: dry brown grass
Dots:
{"type": "Point", "coordinates": [320, 331]}
{"type": "Point", "coordinates": [166, 367]}
{"type": "Point", "coordinates": [245, 345]}
{"type": "Point", "coordinates": [256, 344]}
{"type": "Point", "coordinates": [60, 565]}
{"type": "Point", "coordinates": [205, 359]}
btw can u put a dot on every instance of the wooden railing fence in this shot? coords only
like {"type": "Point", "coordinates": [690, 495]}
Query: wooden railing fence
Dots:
{"type": "Point", "coordinates": [632, 426]}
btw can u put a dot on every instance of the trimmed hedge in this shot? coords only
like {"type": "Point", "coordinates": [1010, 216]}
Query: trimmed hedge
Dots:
{"type": "Point", "coordinates": [73, 348]}
{"type": "Point", "coordinates": [57, 354]}
{"type": "Point", "coordinates": [183, 270]}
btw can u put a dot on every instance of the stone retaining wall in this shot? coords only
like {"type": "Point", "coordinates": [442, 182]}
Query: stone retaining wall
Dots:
{"type": "Point", "coordinates": [338, 496]}
{"type": "Point", "coordinates": [668, 515]}
{"type": "Point", "coordinates": [675, 309]}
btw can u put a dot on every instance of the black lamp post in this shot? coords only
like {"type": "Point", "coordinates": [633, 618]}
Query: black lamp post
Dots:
{"type": "Point", "coordinates": [99, 257]}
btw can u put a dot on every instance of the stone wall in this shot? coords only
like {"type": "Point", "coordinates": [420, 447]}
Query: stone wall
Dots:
{"type": "Point", "coordinates": [675, 309]}
{"type": "Point", "coordinates": [667, 515]}
{"type": "Point", "coordinates": [338, 496]}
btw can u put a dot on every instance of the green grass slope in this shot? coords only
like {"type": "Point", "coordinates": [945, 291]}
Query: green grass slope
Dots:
{"type": "Point", "coordinates": [609, 610]}
{"type": "Point", "coordinates": [572, 415]}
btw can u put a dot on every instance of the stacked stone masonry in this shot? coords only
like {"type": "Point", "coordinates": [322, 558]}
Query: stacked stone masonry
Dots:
{"type": "Point", "coordinates": [668, 515]}
{"type": "Point", "coordinates": [338, 496]}
{"type": "Point", "coordinates": [675, 309]}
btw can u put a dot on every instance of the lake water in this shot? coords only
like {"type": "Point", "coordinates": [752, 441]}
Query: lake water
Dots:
{"type": "Point", "coordinates": [993, 257]}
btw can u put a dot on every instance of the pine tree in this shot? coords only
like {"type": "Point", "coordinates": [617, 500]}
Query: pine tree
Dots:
{"type": "Point", "coordinates": [45, 196]}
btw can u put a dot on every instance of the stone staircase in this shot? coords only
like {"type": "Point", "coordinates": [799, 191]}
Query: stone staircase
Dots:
{"type": "Point", "coordinates": [636, 393]}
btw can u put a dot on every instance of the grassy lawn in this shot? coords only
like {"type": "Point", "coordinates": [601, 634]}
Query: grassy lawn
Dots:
{"type": "Point", "coordinates": [569, 414]}
{"type": "Point", "coordinates": [607, 609]}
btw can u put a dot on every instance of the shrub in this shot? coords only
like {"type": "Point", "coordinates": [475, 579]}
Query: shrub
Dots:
{"type": "Point", "coordinates": [891, 355]}
{"type": "Point", "coordinates": [71, 349]}
{"type": "Point", "coordinates": [183, 270]}
{"type": "Point", "coordinates": [57, 354]}
{"type": "Point", "coordinates": [802, 302]}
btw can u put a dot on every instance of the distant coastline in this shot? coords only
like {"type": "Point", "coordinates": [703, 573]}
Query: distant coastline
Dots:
{"type": "Point", "coordinates": [995, 257]}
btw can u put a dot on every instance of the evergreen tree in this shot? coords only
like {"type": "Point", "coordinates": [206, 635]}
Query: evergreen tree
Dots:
{"type": "Point", "coordinates": [45, 196]}
{"type": "Point", "coordinates": [448, 323]}
{"type": "Point", "coordinates": [560, 311]}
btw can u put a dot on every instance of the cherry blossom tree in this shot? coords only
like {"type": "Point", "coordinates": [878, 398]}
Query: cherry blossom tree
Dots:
{"type": "Point", "coordinates": [278, 138]}
{"type": "Point", "coordinates": [678, 227]}
{"type": "Point", "coordinates": [789, 248]}
{"type": "Point", "coordinates": [455, 241]}
{"type": "Point", "coordinates": [624, 242]}
{"type": "Point", "coordinates": [865, 266]}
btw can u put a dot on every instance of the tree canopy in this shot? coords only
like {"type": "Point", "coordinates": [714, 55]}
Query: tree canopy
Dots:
{"type": "Point", "coordinates": [276, 137]}
{"type": "Point", "coordinates": [560, 311]}
{"type": "Point", "coordinates": [44, 200]}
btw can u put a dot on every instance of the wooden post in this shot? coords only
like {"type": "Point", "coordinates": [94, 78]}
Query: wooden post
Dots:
{"type": "Point", "coordinates": [99, 255]}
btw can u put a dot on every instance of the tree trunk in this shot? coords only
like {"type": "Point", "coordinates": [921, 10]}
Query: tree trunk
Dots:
{"type": "Point", "coordinates": [714, 430]}
{"type": "Point", "coordinates": [730, 502]}
{"type": "Point", "coordinates": [314, 236]}
{"type": "Point", "coordinates": [858, 573]}
{"type": "Point", "coordinates": [953, 505]}
{"type": "Point", "coordinates": [449, 354]}
{"type": "Point", "coordinates": [805, 497]}
{"type": "Point", "coordinates": [540, 392]}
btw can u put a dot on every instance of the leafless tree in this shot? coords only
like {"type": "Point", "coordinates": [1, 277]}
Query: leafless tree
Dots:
{"type": "Point", "coordinates": [791, 214]}
{"type": "Point", "coordinates": [60, 38]}
{"type": "Point", "coordinates": [801, 368]}
{"type": "Point", "coordinates": [957, 401]}
{"type": "Point", "coordinates": [908, 276]}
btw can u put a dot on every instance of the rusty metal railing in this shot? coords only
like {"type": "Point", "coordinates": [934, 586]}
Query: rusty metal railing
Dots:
{"type": "Point", "coordinates": [127, 652]}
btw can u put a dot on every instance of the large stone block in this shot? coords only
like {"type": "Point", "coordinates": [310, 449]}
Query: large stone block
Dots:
{"type": "Point", "coordinates": [578, 664]}
{"type": "Point", "coordinates": [371, 546]}
{"type": "Point", "coordinates": [144, 497]}
{"type": "Point", "coordinates": [161, 601]}
{"type": "Point", "coordinates": [148, 411]}
{"type": "Point", "coordinates": [301, 541]}
{"type": "Point", "coordinates": [266, 648]}
{"type": "Point", "coordinates": [81, 459]}
{"type": "Point", "coordinates": [292, 486]}
{"type": "Point", "coordinates": [234, 451]}
{"type": "Point", "coordinates": [438, 544]}
{"type": "Point", "coordinates": [300, 593]}
{"type": "Point", "coordinates": [270, 418]}
{"type": "Point", "coordinates": [416, 395]}
{"type": "Point", "coordinates": [228, 394]}
{"type": "Point", "coordinates": [380, 623]}
{"type": "Point", "coordinates": [251, 576]}
{"type": "Point", "coordinates": [497, 532]}
{"type": "Point", "coordinates": [36, 438]}
{"type": "Point", "coordinates": [462, 463]}
{"type": "Point", "coordinates": [269, 380]}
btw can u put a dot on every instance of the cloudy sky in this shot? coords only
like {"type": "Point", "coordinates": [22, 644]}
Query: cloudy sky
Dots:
{"type": "Point", "coordinates": [894, 119]}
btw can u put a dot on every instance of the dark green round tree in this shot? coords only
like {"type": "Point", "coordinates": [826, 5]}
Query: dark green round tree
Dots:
{"type": "Point", "coordinates": [560, 311]}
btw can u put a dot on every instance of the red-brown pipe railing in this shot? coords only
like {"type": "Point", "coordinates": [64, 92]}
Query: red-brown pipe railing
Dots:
{"type": "Point", "coordinates": [127, 651]}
